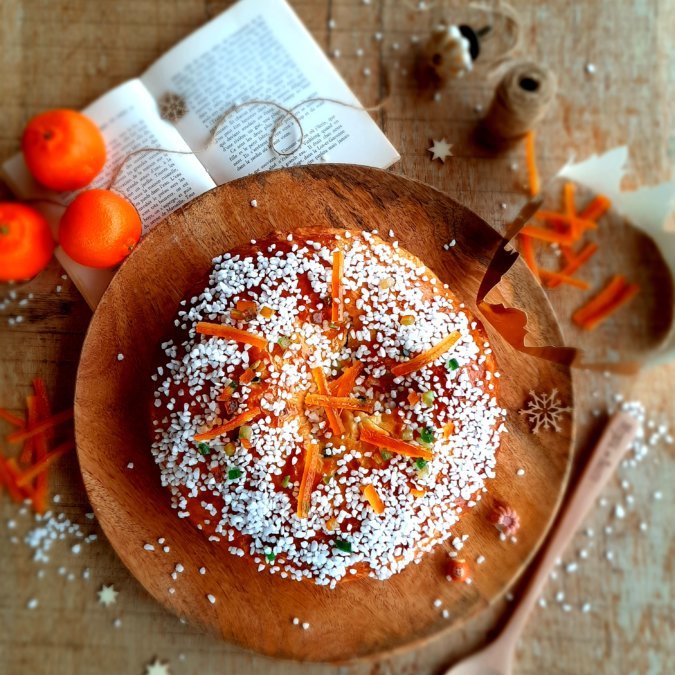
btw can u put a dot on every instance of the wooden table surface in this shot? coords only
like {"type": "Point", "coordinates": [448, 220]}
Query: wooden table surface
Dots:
{"type": "Point", "coordinates": [58, 53]}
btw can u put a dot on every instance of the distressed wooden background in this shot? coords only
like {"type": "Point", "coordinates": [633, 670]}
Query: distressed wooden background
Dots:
{"type": "Point", "coordinates": [64, 53]}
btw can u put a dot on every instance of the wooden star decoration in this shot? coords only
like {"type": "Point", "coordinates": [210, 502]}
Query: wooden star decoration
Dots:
{"type": "Point", "coordinates": [107, 595]}
{"type": "Point", "coordinates": [440, 150]}
{"type": "Point", "coordinates": [157, 668]}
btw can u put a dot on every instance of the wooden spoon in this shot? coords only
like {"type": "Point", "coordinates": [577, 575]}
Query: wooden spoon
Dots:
{"type": "Point", "coordinates": [497, 657]}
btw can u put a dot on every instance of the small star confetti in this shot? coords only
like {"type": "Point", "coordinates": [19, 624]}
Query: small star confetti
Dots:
{"type": "Point", "coordinates": [157, 668]}
{"type": "Point", "coordinates": [440, 150]}
{"type": "Point", "coordinates": [107, 595]}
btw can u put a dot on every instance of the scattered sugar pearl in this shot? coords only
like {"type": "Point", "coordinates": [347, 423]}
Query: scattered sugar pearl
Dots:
{"type": "Point", "coordinates": [609, 555]}
{"type": "Point", "coordinates": [172, 590]}
{"type": "Point", "coordinates": [120, 357]}
{"type": "Point", "coordinates": [32, 603]}
{"type": "Point", "coordinates": [56, 499]}
{"type": "Point", "coordinates": [59, 288]}
{"type": "Point", "coordinates": [148, 547]}
{"type": "Point", "coordinates": [179, 568]}
{"type": "Point", "coordinates": [583, 554]}
{"type": "Point", "coordinates": [657, 496]}
{"type": "Point", "coordinates": [445, 614]}
{"type": "Point", "coordinates": [643, 527]}
{"type": "Point", "coordinates": [254, 203]}
{"type": "Point", "coordinates": [166, 549]}
{"type": "Point", "coordinates": [211, 598]}
{"type": "Point", "coordinates": [366, 71]}
{"type": "Point", "coordinates": [480, 560]}
{"type": "Point", "coordinates": [586, 607]}
{"type": "Point", "coordinates": [117, 622]}
{"type": "Point", "coordinates": [336, 53]}
{"type": "Point", "coordinates": [590, 68]}
{"type": "Point", "coordinates": [202, 570]}
{"type": "Point", "coordinates": [559, 596]}
{"type": "Point", "coordinates": [130, 465]}
{"type": "Point", "coordinates": [331, 23]}
{"type": "Point", "coordinates": [359, 52]}
{"type": "Point", "coordinates": [520, 472]}
{"type": "Point", "coordinates": [438, 97]}
{"type": "Point", "coordinates": [509, 597]}
{"type": "Point", "coordinates": [438, 602]}
{"type": "Point", "coordinates": [567, 608]}
{"type": "Point", "coordinates": [619, 511]}
{"type": "Point", "coordinates": [542, 602]}
{"type": "Point", "coordinates": [571, 568]}
{"type": "Point", "coordinates": [296, 621]}
{"type": "Point", "coordinates": [305, 626]}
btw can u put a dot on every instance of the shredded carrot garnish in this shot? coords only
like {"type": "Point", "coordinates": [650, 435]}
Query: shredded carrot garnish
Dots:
{"type": "Point", "coordinates": [247, 376]}
{"type": "Point", "coordinates": [333, 418]}
{"type": "Point", "coordinates": [547, 275]}
{"type": "Point", "coordinates": [371, 435]}
{"type": "Point", "coordinates": [26, 456]}
{"type": "Point", "coordinates": [605, 297]}
{"type": "Point", "coordinates": [344, 384]}
{"type": "Point", "coordinates": [574, 262]}
{"type": "Point", "coordinates": [596, 208]}
{"type": "Point", "coordinates": [247, 306]}
{"type": "Point", "coordinates": [531, 164]}
{"type": "Point", "coordinates": [312, 461]}
{"type": "Point", "coordinates": [625, 295]}
{"type": "Point", "coordinates": [337, 287]}
{"type": "Point", "coordinates": [234, 423]}
{"type": "Point", "coordinates": [417, 493]}
{"type": "Point", "coordinates": [427, 357]}
{"type": "Point", "coordinates": [448, 430]}
{"type": "Point", "coordinates": [414, 398]}
{"type": "Point", "coordinates": [547, 235]}
{"type": "Point", "coordinates": [527, 248]}
{"type": "Point", "coordinates": [338, 403]}
{"type": "Point", "coordinates": [22, 435]}
{"type": "Point", "coordinates": [230, 333]}
{"type": "Point", "coordinates": [28, 476]}
{"type": "Point", "coordinates": [266, 312]}
{"type": "Point", "coordinates": [11, 418]}
{"type": "Point", "coordinates": [374, 499]}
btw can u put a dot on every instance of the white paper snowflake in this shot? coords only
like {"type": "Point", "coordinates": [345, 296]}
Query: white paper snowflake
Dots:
{"type": "Point", "coordinates": [544, 411]}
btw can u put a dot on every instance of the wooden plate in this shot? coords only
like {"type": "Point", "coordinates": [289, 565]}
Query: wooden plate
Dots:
{"type": "Point", "coordinates": [255, 610]}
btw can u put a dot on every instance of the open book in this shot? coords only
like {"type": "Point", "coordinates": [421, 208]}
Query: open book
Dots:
{"type": "Point", "coordinates": [257, 49]}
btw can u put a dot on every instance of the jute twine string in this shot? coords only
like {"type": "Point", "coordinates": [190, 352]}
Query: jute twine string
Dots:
{"type": "Point", "coordinates": [287, 113]}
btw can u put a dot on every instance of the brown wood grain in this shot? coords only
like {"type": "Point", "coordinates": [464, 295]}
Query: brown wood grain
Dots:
{"type": "Point", "coordinates": [65, 53]}
{"type": "Point", "coordinates": [363, 617]}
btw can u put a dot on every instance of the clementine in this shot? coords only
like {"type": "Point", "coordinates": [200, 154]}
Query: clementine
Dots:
{"type": "Point", "coordinates": [26, 243]}
{"type": "Point", "coordinates": [63, 149]}
{"type": "Point", "coordinates": [99, 228]}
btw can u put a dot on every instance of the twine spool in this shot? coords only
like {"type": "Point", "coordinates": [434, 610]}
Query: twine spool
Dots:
{"type": "Point", "coordinates": [521, 99]}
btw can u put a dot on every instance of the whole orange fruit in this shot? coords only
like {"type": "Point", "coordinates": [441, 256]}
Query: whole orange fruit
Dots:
{"type": "Point", "coordinates": [26, 243]}
{"type": "Point", "coordinates": [63, 149]}
{"type": "Point", "coordinates": [99, 228]}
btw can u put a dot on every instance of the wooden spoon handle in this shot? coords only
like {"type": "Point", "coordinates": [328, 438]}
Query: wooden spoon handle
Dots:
{"type": "Point", "coordinates": [604, 458]}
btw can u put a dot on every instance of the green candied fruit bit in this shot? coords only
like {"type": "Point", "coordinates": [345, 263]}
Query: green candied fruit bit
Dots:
{"type": "Point", "coordinates": [245, 432]}
{"type": "Point", "coordinates": [428, 398]}
{"type": "Point", "coordinates": [271, 556]}
{"type": "Point", "coordinates": [421, 463]}
{"type": "Point", "coordinates": [233, 474]}
{"type": "Point", "coordinates": [286, 481]}
{"type": "Point", "coordinates": [342, 545]}
{"type": "Point", "coordinates": [284, 342]}
{"type": "Point", "coordinates": [427, 435]}
{"type": "Point", "coordinates": [204, 449]}
{"type": "Point", "coordinates": [385, 454]}
{"type": "Point", "coordinates": [453, 364]}
{"type": "Point", "coordinates": [407, 434]}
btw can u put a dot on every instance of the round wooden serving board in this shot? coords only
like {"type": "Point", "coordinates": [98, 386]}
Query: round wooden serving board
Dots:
{"type": "Point", "coordinates": [362, 617]}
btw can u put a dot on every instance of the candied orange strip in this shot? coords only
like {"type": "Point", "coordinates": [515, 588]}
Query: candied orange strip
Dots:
{"type": "Point", "coordinates": [312, 462]}
{"type": "Point", "coordinates": [448, 430]}
{"type": "Point", "coordinates": [344, 384]}
{"type": "Point", "coordinates": [266, 312]}
{"type": "Point", "coordinates": [247, 306]}
{"type": "Point", "coordinates": [338, 403]}
{"type": "Point", "coordinates": [11, 418]}
{"type": "Point", "coordinates": [22, 435]}
{"type": "Point", "coordinates": [548, 275]}
{"type": "Point", "coordinates": [382, 440]}
{"type": "Point", "coordinates": [337, 310]}
{"type": "Point", "coordinates": [569, 191]}
{"type": "Point", "coordinates": [531, 164]}
{"type": "Point", "coordinates": [234, 423]}
{"type": "Point", "coordinates": [374, 499]}
{"type": "Point", "coordinates": [333, 418]}
{"type": "Point", "coordinates": [575, 262]}
{"type": "Point", "coordinates": [596, 208]}
{"type": "Point", "coordinates": [230, 333]}
{"type": "Point", "coordinates": [417, 493]}
{"type": "Point", "coordinates": [625, 295]}
{"type": "Point", "coordinates": [547, 235]}
{"type": "Point", "coordinates": [527, 248]}
{"type": "Point", "coordinates": [26, 456]}
{"type": "Point", "coordinates": [555, 218]}
{"type": "Point", "coordinates": [605, 297]}
{"type": "Point", "coordinates": [44, 410]}
{"type": "Point", "coordinates": [427, 357]}
{"type": "Point", "coordinates": [247, 376]}
{"type": "Point", "coordinates": [414, 398]}
{"type": "Point", "coordinates": [29, 475]}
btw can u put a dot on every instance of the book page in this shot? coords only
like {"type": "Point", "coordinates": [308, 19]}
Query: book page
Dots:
{"type": "Point", "coordinates": [155, 183]}
{"type": "Point", "coordinates": [261, 50]}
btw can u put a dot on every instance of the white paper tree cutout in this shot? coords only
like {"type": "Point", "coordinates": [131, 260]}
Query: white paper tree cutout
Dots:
{"type": "Point", "coordinates": [544, 411]}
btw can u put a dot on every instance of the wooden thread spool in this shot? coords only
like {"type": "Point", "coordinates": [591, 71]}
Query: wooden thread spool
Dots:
{"type": "Point", "coordinates": [520, 101]}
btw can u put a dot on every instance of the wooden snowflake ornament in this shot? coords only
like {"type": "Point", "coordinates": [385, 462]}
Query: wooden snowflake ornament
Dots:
{"type": "Point", "coordinates": [544, 411]}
